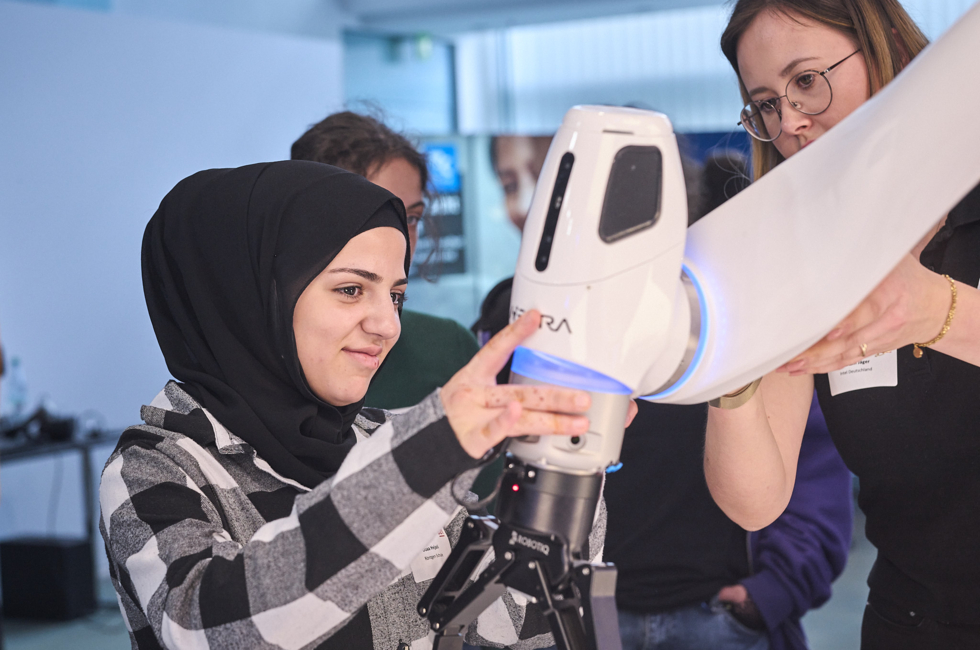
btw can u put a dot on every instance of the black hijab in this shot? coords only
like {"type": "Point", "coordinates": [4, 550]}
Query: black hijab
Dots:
{"type": "Point", "coordinates": [225, 258]}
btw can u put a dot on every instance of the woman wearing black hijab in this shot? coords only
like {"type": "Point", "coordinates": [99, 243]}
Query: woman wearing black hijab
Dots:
{"type": "Point", "coordinates": [243, 514]}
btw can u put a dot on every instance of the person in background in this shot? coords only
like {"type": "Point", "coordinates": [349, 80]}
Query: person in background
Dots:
{"type": "Point", "coordinates": [430, 349]}
{"type": "Point", "coordinates": [910, 430]}
{"type": "Point", "coordinates": [517, 161]}
{"type": "Point", "coordinates": [689, 577]}
{"type": "Point", "coordinates": [724, 174]}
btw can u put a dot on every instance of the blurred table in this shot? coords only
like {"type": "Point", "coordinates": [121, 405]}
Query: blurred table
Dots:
{"type": "Point", "coordinates": [20, 448]}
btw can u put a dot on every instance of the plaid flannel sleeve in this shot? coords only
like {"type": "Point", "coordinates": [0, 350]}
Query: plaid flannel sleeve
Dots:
{"type": "Point", "coordinates": [185, 583]}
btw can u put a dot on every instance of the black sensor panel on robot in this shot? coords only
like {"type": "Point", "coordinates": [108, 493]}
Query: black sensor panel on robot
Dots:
{"type": "Point", "coordinates": [554, 208]}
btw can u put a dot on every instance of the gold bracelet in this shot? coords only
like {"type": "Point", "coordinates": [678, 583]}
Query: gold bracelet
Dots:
{"type": "Point", "coordinates": [736, 398]}
{"type": "Point", "coordinates": [917, 347]}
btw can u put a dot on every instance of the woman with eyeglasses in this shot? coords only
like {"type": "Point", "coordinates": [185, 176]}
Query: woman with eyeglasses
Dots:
{"type": "Point", "coordinates": [910, 427]}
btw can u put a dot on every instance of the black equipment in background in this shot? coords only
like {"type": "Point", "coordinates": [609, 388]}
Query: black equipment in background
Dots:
{"type": "Point", "coordinates": [47, 578]}
{"type": "Point", "coordinates": [40, 426]}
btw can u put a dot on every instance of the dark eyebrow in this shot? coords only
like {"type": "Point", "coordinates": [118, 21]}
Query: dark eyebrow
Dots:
{"type": "Point", "coordinates": [792, 64]}
{"type": "Point", "coordinates": [369, 276]}
{"type": "Point", "coordinates": [417, 204]}
{"type": "Point", "coordinates": [784, 72]}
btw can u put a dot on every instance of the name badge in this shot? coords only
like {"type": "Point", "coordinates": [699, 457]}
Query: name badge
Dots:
{"type": "Point", "coordinates": [429, 561]}
{"type": "Point", "coordinates": [873, 372]}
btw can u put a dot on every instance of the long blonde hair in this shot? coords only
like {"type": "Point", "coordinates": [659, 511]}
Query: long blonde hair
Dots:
{"type": "Point", "coordinates": [887, 36]}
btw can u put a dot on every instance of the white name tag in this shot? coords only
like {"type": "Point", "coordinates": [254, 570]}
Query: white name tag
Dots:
{"type": "Point", "coordinates": [873, 372]}
{"type": "Point", "coordinates": [429, 561]}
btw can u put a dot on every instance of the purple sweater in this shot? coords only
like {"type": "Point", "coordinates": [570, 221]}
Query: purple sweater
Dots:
{"type": "Point", "coordinates": [797, 556]}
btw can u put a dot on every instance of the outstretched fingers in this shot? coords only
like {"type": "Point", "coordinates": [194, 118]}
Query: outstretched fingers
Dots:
{"type": "Point", "coordinates": [537, 423]}
{"type": "Point", "coordinates": [874, 338]}
{"type": "Point", "coordinates": [493, 356]}
{"type": "Point", "coordinates": [631, 412]}
{"type": "Point", "coordinates": [538, 398]}
{"type": "Point", "coordinates": [502, 426]}
{"type": "Point", "coordinates": [833, 348]}
{"type": "Point", "coordinates": [533, 423]}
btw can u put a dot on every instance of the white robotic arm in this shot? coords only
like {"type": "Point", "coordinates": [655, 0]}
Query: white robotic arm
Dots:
{"type": "Point", "coordinates": [636, 306]}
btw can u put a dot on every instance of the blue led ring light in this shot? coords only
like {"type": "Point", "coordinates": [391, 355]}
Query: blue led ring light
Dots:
{"type": "Point", "coordinates": [553, 370]}
{"type": "Point", "coordinates": [550, 369]}
{"type": "Point", "coordinates": [702, 339]}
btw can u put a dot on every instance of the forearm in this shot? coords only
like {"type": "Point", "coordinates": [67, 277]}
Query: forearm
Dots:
{"type": "Point", "coordinates": [962, 341]}
{"type": "Point", "coordinates": [743, 466]}
{"type": "Point", "coordinates": [751, 452]}
{"type": "Point", "coordinates": [798, 556]}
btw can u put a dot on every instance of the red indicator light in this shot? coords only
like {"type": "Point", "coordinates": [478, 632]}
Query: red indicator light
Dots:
{"type": "Point", "coordinates": [514, 487]}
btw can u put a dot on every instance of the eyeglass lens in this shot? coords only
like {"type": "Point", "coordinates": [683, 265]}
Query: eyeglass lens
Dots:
{"type": "Point", "coordinates": [808, 92]}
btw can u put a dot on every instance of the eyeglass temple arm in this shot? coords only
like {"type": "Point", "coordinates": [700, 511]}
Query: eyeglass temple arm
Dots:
{"type": "Point", "coordinates": [841, 61]}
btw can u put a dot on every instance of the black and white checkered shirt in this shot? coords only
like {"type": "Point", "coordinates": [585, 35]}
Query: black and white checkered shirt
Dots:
{"type": "Point", "coordinates": [210, 548]}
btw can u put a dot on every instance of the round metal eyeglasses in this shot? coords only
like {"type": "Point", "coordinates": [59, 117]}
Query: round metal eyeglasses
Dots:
{"type": "Point", "coordinates": [808, 92]}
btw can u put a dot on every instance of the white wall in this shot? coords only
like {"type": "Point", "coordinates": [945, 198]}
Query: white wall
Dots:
{"type": "Point", "coordinates": [101, 115]}
{"type": "Point", "coordinates": [409, 79]}
{"type": "Point", "coordinates": [523, 79]}
{"type": "Point", "coordinates": [317, 18]}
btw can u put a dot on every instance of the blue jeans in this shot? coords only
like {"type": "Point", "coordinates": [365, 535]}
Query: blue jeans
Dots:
{"type": "Point", "coordinates": [707, 626]}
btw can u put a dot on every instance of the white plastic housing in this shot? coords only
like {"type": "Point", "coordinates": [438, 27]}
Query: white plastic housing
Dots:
{"type": "Point", "coordinates": [588, 453]}
{"type": "Point", "coordinates": [613, 306]}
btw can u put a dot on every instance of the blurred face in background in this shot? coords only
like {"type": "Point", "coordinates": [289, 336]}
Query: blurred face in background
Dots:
{"type": "Point", "coordinates": [517, 162]}
{"type": "Point", "coordinates": [402, 179]}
